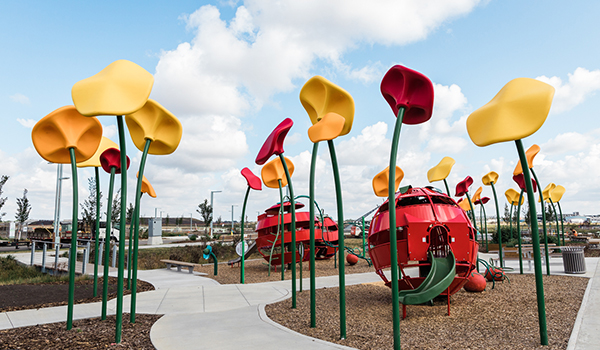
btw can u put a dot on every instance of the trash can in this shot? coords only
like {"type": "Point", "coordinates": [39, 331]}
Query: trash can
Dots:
{"type": "Point", "coordinates": [573, 259]}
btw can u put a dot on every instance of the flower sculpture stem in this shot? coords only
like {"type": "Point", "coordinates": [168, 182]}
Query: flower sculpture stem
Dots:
{"type": "Point", "coordinates": [498, 230]}
{"type": "Point", "coordinates": [136, 222]}
{"type": "Point", "coordinates": [472, 212]}
{"type": "Point", "coordinates": [447, 189]}
{"type": "Point", "coordinates": [341, 251]}
{"type": "Point", "coordinates": [519, 232]}
{"type": "Point", "coordinates": [311, 211]}
{"type": "Point", "coordinates": [539, 285]}
{"type": "Point", "coordinates": [73, 249]}
{"type": "Point", "coordinates": [130, 252]}
{"type": "Point", "coordinates": [510, 220]}
{"type": "Point", "coordinates": [111, 185]}
{"type": "Point", "coordinates": [393, 238]}
{"type": "Point", "coordinates": [562, 227]}
{"type": "Point", "coordinates": [242, 231]}
{"type": "Point", "coordinates": [282, 216]}
{"type": "Point", "coordinates": [556, 216]}
{"type": "Point", "coordinates": [543, 221]}
{"type": "Point", "coordinates": [293, 212]}
{"type": "Point", "coordinates": [484, 224]}
{"type": "Point", "coordinates": [122, 145]}
{"type": "Point", "coordinates": [96, 238]}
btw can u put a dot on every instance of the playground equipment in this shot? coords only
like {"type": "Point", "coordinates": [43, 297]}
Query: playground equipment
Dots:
{"type": "Point", "coordinates": [434, 234]}
{"type": "Point", "coordinates": [208, 253]}
{"type": "Point", "coordinates": [268, 229]}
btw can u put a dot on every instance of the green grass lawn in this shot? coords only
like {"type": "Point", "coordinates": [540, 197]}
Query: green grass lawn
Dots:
{"type": "Point", "coordinates": [11, 272]}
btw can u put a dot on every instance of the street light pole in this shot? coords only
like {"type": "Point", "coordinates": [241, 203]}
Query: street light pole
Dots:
{"type": "Point", "coordinates": [59, 179]}
{"type": "Point", "coordinates": [191, 222]}
{"type": "Point", "coordinates": [212, 211]}
{"type": "Point", "coordinates": [232, 228]}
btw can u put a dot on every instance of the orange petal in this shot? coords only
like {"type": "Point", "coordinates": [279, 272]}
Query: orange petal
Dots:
{"type": "Point", "coordinates": [490, 178]}
{"type": "Point", "coordinates": [155, 123]}
{"type": "Point", "coordinates": [464, 204]}
{"type": "Point", "coordinates": [273, 171]}
{"type": "Point", "coordinates": [477, 195]}
{"type": "Point", "coordinates": [517, 111]}
{"type": "Point", "coordinates": [529, 155]}
{"type": "Point", "coordinates": [328, 128]}
{"type": "Point", "coordinates": [381, 181]}
{"type": "Point", "coordinates": [146, 186]}
{"type": "Point", "coordinates": [121, 88]}
{"type": "Point", "coordinates": [63, 129]}
{"type": "Point", "coordinates": [441, 171]}
{"type": "Point", "coordinates": [319, 97]}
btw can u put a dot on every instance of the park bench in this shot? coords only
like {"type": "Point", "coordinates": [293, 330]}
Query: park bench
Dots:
{"type": "Point", "coordinates": [179, 264]}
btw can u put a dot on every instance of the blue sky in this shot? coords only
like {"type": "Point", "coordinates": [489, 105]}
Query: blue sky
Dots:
{"type": "Point", "coordinates": [232, 70]}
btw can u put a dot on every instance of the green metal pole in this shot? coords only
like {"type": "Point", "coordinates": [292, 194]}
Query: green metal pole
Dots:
{"type": "Point", "coordinates": [393, 228]}
{"type": "Point", "coordinates": [282, 231]}
{"type": "Point", "coordinates": [293, 212]}
{"type": "Point", "coordinates": [242, 230]}
{"type": "Point", "coordinates": [472, 212]}
{"type": "Point", "coordinates": [120, 273]}
{"type": "Point", "coordinates": [519, 232]}
{"type": "Point", "coordinates": [539, 284]}
{"type": "Point", "coordinates": [481, 221]}
{"type": "Point", "coordinates": [363, 238]}
{"type": "Point", "coordinates": [556, 217]}
{"type": "Point", "coordinates": [486, 231]}
{"type": "Point", "coordinates": [447, 189]}
{"type": "Point", "coordinates": [562, 227]}
{"type": "Point", "coordinates": [340, 212]}
{"type": "Point", "coordinates": [96, 238]}
{"type": "Point", "coordinates": [130, 252]}
{"type": "Point", "coordinates": [311, 211]}
{"type": "Point", "coordinates": [543, 221]}
{"type": "Point", "coordinates": [107, 242]}
{"type": "Point", "coordinates": [511, 220]}
{"type": "Point", "coordinates": [136, 224]}
{"type": "Point", "coordinates": [216, 263]}
{"type": "Point", "coordinates": [73, 257]}
{"type": "Point", "coordinates": [498, 230]}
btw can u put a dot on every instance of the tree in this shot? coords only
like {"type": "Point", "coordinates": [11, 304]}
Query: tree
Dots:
{"type": "Point", "coordinates": [506, 216]}
{"type": "Point", "coordinates": [167, 220]}
{"type": "Point", "coordinates": [205, 210]}
{"type": "Point", "coordinates": [116, 209]}
{"type": "Point", "coordinates": [89, 206]}
{"type": "Point", "coordinates": [3, 180]}
{"type": "Point", "coordinates": [129, 213]}
{"type": "Point", "coordinates": [23, 210]}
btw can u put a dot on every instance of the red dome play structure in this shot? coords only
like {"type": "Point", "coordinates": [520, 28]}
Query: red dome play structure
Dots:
{"type": "Point", "coordinates": [434, 234]}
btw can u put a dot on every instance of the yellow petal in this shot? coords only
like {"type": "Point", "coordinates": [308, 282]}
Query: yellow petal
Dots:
{"type": "Point", "coordinates": [513, 195]}
{"type": "Point", "coordinates": [546, 192]}
{"type": "Point", "coordinates": [63, 129]}
{"type": "Point", "coordinates": [464, 204]}
{"type": "Point", "coordinates": [517, 111]}
{"type": "Point", "coordinates": [381, 181]}
{"type": "Point", "coordinates": [529, 155]}
{"type": "Point", "coordinates": [121, 88]}
{"type": "Point", "coordinates": [273, 171]}
{"type": "Point", "coordinates": [319, 96]}
{"type": "Point", "coordinates": [441, 171]}
{"type": "Point", "coordinates": [557, 193]}
{"type": "Point", "coordinates": [328, 128]}
{"type": "Point", "coordinates": [146, 186]}
{"type": "Point", "coordinates": [490, 178]}
{"type": "Point", "coordinates": [155, 123]}
{"type": "Point", "coordinates": [477, 195]}
{"type": "Point", "coordinates": [105, 144]}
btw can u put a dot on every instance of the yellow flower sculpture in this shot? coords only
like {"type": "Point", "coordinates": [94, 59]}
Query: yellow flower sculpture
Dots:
{"type": "Point", "coordinates": [530, 154]}
{"type": "Point", "coordinates": [381, 181]}
{"type": "Point", "coordinates": [442, 170]}
{"type": "Point", "coordinates": [490, 178]}
{"type": "Point", "coordinates": [121, 88]}
{"type": "Point", "coordinates": [105, 144]}
{"type": "Point", "coordinates": [63, 129]}
{"type": "Point", "coordinates": [513, 195]}
{"type": "Point", "coordinates": [477, 195]}
{"type": "Point", "coordinates": [464, 204]}
{"type": "Point", "coordinates": [273, 171]}
{"type": "Point", "coordinates": [319, 97]}
{"type": "Point", "coordinates": [155, 123]}
{"type": "Point", "coordinates": [328, 128]}
{"type": "Point", "coordinates": [517, 111]}
{"type": "Point", "coordinates": [546, 192]}
{"type": "Point", "coordinates": [557, 193]}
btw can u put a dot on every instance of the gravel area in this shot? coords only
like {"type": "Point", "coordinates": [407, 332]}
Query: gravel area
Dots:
{"type": "Point", "coordinates": [501, 318]}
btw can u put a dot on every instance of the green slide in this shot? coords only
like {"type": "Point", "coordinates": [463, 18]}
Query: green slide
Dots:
{"type": "Point", "coordinates": [439, 278]}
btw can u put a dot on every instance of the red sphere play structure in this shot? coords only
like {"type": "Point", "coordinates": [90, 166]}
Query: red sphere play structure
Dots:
{"type": "Point", "coordinates": [476, 283]}
{"type": "Point", "coordinates": [351, 259]}
{"type": "Point", "coordinates": [431, 228]}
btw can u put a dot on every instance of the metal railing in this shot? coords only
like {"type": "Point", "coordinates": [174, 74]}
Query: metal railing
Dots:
{"type": "Point", "coordinates": [81, 243]}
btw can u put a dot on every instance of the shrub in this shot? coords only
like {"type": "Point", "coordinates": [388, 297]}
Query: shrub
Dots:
{"type": "Point", "coordinates": [193, 237]}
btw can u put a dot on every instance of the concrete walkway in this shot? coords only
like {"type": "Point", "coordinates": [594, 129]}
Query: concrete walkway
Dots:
{"type": "Point", "coordinates": [202, 314]}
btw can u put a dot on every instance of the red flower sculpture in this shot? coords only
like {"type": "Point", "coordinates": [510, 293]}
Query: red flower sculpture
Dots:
{"type": "Point", "coordinates": [483, 200]}
{"type": "Point", "coordinates": [520, 180]}
{"type": "Point", "coordinates": [253, 180]}
{"type": "Point", "coordinates": [274, 143]}
{"type": "Point", "coordinates": [463, 187]}
{"type": "Point", "coordinates": [112, 158]}
{"type": "Point", "coordinates": [404, 87]}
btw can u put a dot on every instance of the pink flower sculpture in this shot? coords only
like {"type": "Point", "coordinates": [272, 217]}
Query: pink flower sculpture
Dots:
{"type": "Point", "coordinates": [463, 187]}
{"type": "Point", "coordinates": [274, 143]}
{"type": "Point", "coordinates": [253, 180]}
{"type": "Point", "coordinates": [404, 87]}
{"type": "Point", "coordinates": [520, 180]}
{"type": "Point", "coordinates": [112, 158]}
{"type": "Point", "coordinates": [483, 200]}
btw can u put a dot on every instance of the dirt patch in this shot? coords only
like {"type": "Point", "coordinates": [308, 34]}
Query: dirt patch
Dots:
{"type": "Point", "coordinates": [501, 318]}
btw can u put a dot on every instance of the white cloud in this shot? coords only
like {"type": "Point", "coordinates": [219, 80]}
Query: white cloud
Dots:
{"type": "Point", "coordinates": [28, 123]}
{"type": "Point", "coordinates": [447, 144]}
{"type": "Point", "coordinates": [19, 98]}
{"type": "Point", "coordinates": [567, 143]}
{"type": "Point", "coordinates": [581, 85]}
{"type": "Point", "coordinates": [371, 147]}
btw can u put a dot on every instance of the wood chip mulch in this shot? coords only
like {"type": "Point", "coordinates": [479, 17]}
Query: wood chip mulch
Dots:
{"type": "Point", "coordinates": [505, 317]}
